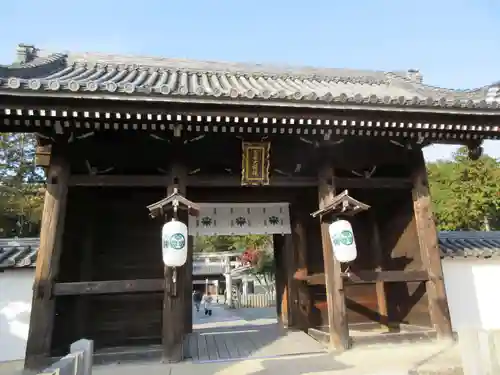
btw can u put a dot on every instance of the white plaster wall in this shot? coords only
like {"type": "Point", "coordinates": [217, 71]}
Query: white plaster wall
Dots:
{"type": "Point", "coordinates": [473, 290]}
{"type": "Point", "coordinates": [15, 307]}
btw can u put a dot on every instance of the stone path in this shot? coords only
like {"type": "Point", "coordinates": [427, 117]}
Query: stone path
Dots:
{"type": "Point", "coordinates": [402, 359]}
{"type": "Point", "coordinates": [230, 335]}
{"type": "Point", "coordinates": [247, 342]}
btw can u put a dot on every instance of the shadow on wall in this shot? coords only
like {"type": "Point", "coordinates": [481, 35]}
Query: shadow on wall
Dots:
{"type": "Point", "coordinates": [461, 283]}
{"type": "Point", "coordinates": [15, 308]}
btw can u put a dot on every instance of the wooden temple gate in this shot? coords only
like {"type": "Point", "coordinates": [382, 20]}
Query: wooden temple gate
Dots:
{"type": "Point", "coordinates": [116, 135]}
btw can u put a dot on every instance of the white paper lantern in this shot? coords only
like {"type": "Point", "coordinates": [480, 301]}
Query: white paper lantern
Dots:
{"type": "Point", "coordinates": [342, 237]}
{"type": "Point", "coordinates": [174, 237]}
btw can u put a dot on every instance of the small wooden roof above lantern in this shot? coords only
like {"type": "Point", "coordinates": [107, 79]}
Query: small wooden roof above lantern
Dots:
{"type": "Point", "coordinates": [158, 209]}
{"type": "Point", "coordinates": [341, 205]}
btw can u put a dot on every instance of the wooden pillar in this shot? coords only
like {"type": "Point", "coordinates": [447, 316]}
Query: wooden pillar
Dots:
{"type": "Point", "coordinates": [291, 297]}
{"type": "Point", "coordinates": [174, 306]}
{"type": "Point", "coordinates": [379, 266]}
{"type": "Point", "coordinates": [188, 322]}
{"type": "Point", "coordinates": [337, 315]}
{"type": "Point", "coordinates": [282, 280]}
{"type": "Point", "coordinates": [304, 304]}
{"type": "Point", "coordinates": [43, 306]}
{"type": "Point", "coordinates": [279, 275]}
{"type": "Point", "coordinates": [429, 248]}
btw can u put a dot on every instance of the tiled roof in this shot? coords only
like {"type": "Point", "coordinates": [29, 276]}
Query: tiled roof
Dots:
{"type": "Point", "coordinates": [452, 244]}
{"type": "Point", "coordinates": [170, 79]}
{"type": "Point", "coordinates": [15, 253]}
{"type": "Point", "coordinates": [469, 244]}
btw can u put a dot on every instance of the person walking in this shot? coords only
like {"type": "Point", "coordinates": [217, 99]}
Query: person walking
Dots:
{"type": "Point", "coordinates": [197, 300]}
{"type": "Point", "coordinates": [207, 303]}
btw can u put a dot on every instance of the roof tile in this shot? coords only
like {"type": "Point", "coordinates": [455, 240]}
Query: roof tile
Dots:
{"type": "Point", "coordinates": [463, 244]}
{"type": "Point", "coordinates": [164, 78]}
{"type": "Point", "coordinates": [455, 244]}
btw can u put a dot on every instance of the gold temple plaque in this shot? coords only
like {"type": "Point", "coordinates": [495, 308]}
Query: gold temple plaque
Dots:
{"type": "Point", "coordinates": [255, 163]}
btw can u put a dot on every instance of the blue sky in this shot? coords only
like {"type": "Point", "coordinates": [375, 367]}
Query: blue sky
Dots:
{"type": "Point", "coordinates": [454, 43]}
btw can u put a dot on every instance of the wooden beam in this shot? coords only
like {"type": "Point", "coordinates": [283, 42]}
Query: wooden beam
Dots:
{"type": "Point", "coordinates": [108, 287]}
{"type": "Point", "coordinates": [429, 248]}
{"type": "Point", "coordinates": [191, 181]}
{"type": "Point", "coordinates": [235, 181]}
{"type": "Point", "coordinates": [368, 277]}
{"type": "Point", "coordinates": [256, 110]}
{"type": "Point", "coordinates": [193, 107]}
{"type": "Point", "coordinates": [371, 183]}
{"type": "Point", "coordinates": [120, 180]}
{"type": "Point", "coordinates": [337, 314]}
{"type": "Point", "coordinates": [39, 343]}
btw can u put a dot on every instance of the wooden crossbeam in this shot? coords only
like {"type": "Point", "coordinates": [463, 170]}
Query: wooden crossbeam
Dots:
{"type": "Point", "coordinates": [368, 277]}
{"type": "Point", "coordinates": [108, 287]}
{"type": "Point", "coordinates": [233, 181]}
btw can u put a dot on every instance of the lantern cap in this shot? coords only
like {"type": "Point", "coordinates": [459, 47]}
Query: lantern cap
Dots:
{"type": "Point", "coordinates": [174, 199]}
{"type": "Point", "coordinates": [342, 204]}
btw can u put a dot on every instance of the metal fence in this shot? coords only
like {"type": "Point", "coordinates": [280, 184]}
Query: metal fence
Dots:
{"type": "Point", "coordinates": [256, 300]}
{"type": "Point", "coordinates": [78, 362]}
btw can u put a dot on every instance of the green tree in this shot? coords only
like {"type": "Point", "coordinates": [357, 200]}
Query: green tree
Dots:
{"type": "Point", "coordinates": [466, 192]}
{"type": "Point", "coordinates": [252, 241]}
{"type": "Point", "coordinates": [21, 186]}
{"type": "Point", "coordinates": [213, 244]}
{"type": "Point", "coordinates": [219, 243]}
{"type": "Point", "coordinates": [17, 159]}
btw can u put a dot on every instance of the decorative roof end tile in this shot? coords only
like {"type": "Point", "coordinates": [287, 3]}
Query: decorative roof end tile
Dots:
{"type": "Point", "coordinates": [26, 53]}
{"type": "Point", "coordinates": [414, 75]}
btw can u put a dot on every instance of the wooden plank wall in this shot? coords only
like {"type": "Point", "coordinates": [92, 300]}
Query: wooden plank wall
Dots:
{"type": "Point", "coordinates": [126, 246]}
{"type": "Point", "coordinates": [407, 301]}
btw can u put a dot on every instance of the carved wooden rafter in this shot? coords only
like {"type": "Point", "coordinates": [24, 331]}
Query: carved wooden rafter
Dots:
{"type": "Point", "coordinates": [94, 171]}
{"type": "Point", "coordinates": [365, 173]}
{"type": "Point", "coordinates": [61, 136]}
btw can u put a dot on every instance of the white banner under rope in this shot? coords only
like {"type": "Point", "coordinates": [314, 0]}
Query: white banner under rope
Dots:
{"type": "Point", "coordinates": [240, 219]}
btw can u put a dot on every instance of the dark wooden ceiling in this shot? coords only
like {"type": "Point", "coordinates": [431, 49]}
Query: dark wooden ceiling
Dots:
{"type": "Point", "coordinates": [112, 152]}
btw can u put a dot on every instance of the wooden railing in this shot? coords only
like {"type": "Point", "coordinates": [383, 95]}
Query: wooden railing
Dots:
{"type": "Point", "coordinates": [78, 362]}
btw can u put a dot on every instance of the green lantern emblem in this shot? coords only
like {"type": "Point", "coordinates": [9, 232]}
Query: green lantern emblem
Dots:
{"type": "Point", "coordinates": [274, 220]}
{"type": "Point", "coordinates": [177, 241]}
{"type": "Point", "coordinates": [345, 238]}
